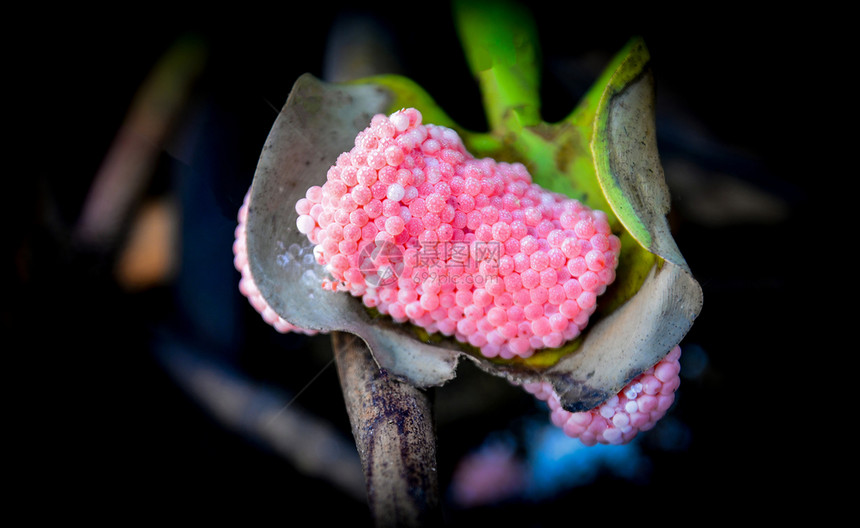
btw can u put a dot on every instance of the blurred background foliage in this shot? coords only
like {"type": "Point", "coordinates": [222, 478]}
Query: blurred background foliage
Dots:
{"type": "Point", "coordinates": [152, 385]}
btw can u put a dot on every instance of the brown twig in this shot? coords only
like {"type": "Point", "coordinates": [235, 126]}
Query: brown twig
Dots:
{"type": "Point", "coordinates": [131, 159]}
{"type": "Point", "coordinates": [394, 431]}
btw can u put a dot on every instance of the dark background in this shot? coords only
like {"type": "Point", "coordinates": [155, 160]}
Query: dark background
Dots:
{"type": "Point", "coordinates": [105, 429]}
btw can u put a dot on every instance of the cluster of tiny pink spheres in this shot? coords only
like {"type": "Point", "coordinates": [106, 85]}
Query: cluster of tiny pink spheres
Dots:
{"type": "Point", "coordinates": [424, 232]}
{"type": "Point", "coordinates": [637, 407]}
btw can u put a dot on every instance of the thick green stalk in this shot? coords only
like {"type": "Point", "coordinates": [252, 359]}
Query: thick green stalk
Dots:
{"type": "Point", "coordinates": [501, 46]}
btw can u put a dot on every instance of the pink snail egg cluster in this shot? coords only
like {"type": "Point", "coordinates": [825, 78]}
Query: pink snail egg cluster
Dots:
{"type": "Point", "coordinates": [637, 407]}
{"type": "Point", "coordinates": [424, 232]}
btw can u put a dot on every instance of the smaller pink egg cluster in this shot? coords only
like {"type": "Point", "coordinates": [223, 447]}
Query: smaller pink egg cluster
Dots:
{"type": "Point", "coordinates": [410, 222]}
{"type": "Point", "coordinates": [637, 407]}
{"type": "Point", "coordinates": [247, 285]}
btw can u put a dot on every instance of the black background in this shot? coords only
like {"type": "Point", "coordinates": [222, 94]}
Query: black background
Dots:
{"type": "Point", "coordinates": [106, 433]}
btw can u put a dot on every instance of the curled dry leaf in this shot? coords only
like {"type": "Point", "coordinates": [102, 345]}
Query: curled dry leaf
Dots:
{"type": "Point", "coordinates": [603, 154]}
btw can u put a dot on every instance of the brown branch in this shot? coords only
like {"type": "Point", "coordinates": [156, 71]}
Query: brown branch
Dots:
{"type": "Point", "coordinates": [394, 431]}
{"type": "Point", "coordinates": [132, 157]}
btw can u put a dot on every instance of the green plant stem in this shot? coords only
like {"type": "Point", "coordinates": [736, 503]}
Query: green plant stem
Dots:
{"type": "Point", "coordinates": [502, 50]}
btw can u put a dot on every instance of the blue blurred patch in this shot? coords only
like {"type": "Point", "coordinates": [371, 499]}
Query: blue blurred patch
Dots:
{"type": "Point", "coordinates": [557, 462]}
